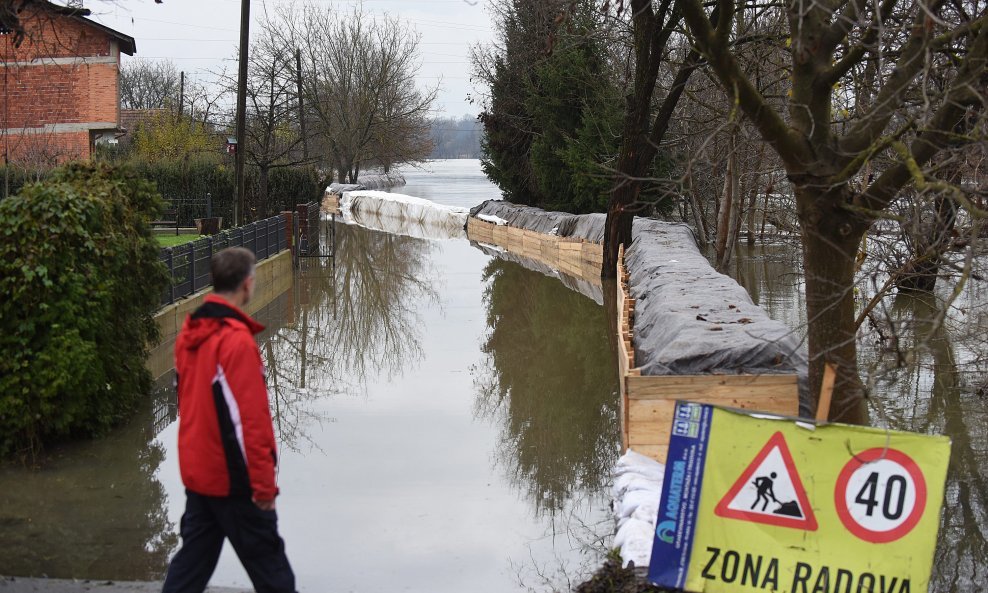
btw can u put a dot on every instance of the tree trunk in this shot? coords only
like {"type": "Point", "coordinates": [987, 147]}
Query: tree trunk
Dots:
{"type": "Point", "coordinates": [830, 238]}
{"type": "Point", "coordinates": [635, 158]}
{"type": "Point", "coordinates": [702, 237]}
{"type": "Point", "coordinates": [726, 217]}
{"type": "Point", "coordinates": [617, 226]}
{"type": "Point", "coordinates": [640, 137]}
{"type": "Point", "coordinates": [768, 191]}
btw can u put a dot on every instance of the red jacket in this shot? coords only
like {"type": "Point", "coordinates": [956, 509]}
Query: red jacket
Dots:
{"type": "Point", "coordinates": [226, 443]}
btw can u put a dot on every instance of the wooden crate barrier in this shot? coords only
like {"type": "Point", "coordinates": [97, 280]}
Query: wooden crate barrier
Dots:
{"type": "Point", "coordinates": [574, 257]}
{"type": "Point", "coordinates": [331, 203]}
{"type": "Point", "coordinates": [647, 402]}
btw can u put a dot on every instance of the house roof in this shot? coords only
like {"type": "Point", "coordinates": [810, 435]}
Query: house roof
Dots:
{"type": "Point", "coordinates": [130, 119]}
{"type": "Point", "coordinates": [127, 43]}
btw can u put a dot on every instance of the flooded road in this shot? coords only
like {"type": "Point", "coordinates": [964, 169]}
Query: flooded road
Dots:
{"type": "Point", "coordinates": [448, 421]}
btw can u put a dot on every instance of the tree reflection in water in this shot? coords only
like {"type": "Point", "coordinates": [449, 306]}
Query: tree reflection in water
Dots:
{"type": "Point", "coordinates": [354, 315]}
{"type": "Point", "coordinates": [933, 398]}
{"type": "Point", "coordinates": [548, 378]}
{"type": "Point", "coordinates": [92, 509]}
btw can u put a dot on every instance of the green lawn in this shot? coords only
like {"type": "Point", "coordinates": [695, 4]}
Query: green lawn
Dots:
{"type": "Point", "coordinates": [173, 240]}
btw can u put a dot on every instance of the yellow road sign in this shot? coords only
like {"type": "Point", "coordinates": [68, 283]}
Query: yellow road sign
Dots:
{"type": "Point", "coordinates": [762, 503]}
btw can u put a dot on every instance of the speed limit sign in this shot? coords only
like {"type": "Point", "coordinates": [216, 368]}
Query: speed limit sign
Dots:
{"type": "Point", "coordinates": [880, 495]}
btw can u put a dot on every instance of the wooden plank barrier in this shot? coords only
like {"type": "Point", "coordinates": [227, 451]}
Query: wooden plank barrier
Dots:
{"type": "Point", "coordinates": [331, 203]}
{"type": "Point", "coordinates": [647, 402]}
{"type": "Point", "coordinates": [571, 256]}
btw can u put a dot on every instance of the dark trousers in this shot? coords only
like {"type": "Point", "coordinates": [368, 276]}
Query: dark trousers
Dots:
{"type": "Point", "coordinates": [253, 534]}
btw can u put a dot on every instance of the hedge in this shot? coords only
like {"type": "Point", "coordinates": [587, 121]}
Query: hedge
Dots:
{"type": "Point", "coordinates": [81, 281]}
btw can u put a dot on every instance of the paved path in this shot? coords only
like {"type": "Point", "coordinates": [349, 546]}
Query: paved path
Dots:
{"type": "Point", "coordinates": [19, 585]}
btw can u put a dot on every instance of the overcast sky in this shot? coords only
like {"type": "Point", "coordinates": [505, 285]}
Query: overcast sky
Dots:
{"type": "Point", "coordinates": [201, 35]}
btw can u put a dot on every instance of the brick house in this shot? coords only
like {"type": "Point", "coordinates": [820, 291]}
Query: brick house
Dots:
{"type": "Point", "coordinates": [59, 91]}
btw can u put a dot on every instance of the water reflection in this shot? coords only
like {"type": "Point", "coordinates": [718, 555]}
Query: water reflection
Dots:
{"type": "Point", "coordinates": [933, 398]}
{"type": "Point", "coordinates": [86, 503]}
{"type": "Point", "coordinates": [548, 380]}
{"type": "Point", "coordinates": [772, 276]}
{"type": "Point", "coordinates": [355, 316]}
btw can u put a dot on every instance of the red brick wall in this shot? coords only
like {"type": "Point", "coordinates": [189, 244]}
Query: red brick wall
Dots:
{"type": "Point", "coordinates": [47, 149]}
{"type": "Point", "coordinates": [54, 36]}
{"type": "Point", "coordinates": [33, 96]}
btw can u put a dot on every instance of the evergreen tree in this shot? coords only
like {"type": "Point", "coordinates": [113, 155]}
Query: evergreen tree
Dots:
{"type": "Point", "coordinates": [553, 110]}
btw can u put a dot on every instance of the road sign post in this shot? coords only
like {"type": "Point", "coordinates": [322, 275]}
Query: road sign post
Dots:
{"type": "Point", "coordinates": [761, 503]}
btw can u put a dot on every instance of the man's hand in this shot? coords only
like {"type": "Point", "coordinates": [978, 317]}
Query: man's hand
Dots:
{"type": "Point", "coordinates": [265, 505]}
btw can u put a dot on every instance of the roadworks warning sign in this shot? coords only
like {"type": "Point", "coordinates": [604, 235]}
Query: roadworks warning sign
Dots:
{"type": "Point", "coordinates": [761, 503]}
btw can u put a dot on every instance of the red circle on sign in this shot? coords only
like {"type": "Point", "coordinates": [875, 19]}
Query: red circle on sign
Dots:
{"type": "Point", "coordinates": [840, 499]}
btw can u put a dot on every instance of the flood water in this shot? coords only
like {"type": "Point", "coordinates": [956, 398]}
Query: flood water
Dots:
{"type": "Point", "coordinates": [448, 420]}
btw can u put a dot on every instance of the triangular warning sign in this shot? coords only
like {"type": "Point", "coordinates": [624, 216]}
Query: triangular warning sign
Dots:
{"type": "Point", "coordinates": [769, 491]}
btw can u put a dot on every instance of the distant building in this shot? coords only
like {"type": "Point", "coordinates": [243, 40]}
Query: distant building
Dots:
{"type": "Point", "coordinates": [60, 88]}
{"type": "Point", "coordinates": [132, 120]}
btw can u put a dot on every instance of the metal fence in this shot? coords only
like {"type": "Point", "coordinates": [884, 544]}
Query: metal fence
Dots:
{"type": "Point", "coordinates": [307, 229]}
{"type": "Point", "coordinates": [188, 264]}
{"type": "Point", "coordinates": [188, 209]}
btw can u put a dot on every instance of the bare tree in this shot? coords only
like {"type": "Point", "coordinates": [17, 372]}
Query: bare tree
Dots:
{"type": "Point", "coordinates": [645, 127]}
{"type": "Point", "coordinates": [273, 133]}
{"type": "Point", "coordinates": [149, 84]}
{"type": "Point", "coordinates": [358, 81]}
{"type": "Point", "coordinates": [849, 157]}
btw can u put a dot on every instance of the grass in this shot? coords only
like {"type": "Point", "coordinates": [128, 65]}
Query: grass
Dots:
{"type": "Point", "coordinates": [173, 240]}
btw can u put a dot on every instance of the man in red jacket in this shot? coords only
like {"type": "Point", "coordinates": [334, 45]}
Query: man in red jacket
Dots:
{"type": "Point", "coordinates": [226, 445]}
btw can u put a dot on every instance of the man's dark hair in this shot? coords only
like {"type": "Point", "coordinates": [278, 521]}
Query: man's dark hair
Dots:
{"type": "Point", "coordinates": [230, 267]}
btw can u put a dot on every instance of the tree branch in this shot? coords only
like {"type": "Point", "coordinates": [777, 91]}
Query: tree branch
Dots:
{"type": "Point", "coordinates": [772, 127]}
{"type": "Point", "coordinates": [892, 94]}
{"type": "Point", "coordinates": [941, 131]}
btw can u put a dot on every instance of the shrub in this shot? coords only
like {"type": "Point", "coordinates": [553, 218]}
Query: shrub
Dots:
{"type": "Point", "coordinates": [81, 279]}
{"type": "Point", "coordinates": [185, 184]}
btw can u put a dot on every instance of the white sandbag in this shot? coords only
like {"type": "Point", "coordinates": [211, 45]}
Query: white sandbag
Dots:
{"type": "Point", "coordinates": [648, 511]}
{"type": "Point", "coordinates": [631, 481]}
{"type": "Point", "coordinates": [627, 505]}
{"type": "Point", "coordinates": [634, 539]}
{"type": "Point", "coordinates": [403, 215]}
{"type": "Point", "coordinates": [634, 462]}
{"type": "Point", "coordinates": [632, 529]}
{"type": "Point", "coordinates": [638, 550]}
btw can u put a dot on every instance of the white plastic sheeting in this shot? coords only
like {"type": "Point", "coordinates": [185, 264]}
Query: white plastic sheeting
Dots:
{"type": "Point", "coordinates": [492, 219]}
{"type": "Point", "coordinates": [637, 491]}
{"type": "Point", "coordinates": [369, 181]}
{"type": "Point", "coordinates": [403, 215]}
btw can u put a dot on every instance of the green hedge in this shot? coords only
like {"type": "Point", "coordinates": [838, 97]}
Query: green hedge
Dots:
{"type": "Point", "coordinates": [81, 279]}
{"type": "Point", "coordinates": [193, 180]}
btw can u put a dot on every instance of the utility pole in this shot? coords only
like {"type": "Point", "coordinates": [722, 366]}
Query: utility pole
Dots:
{"type": "Point", "coordinates": [181, 94]}
{"type": "Point", "coordinates": [239, 205]}
{"type": "Point", "coordinates": [301, 109]}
